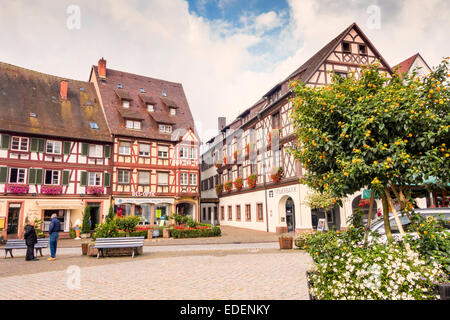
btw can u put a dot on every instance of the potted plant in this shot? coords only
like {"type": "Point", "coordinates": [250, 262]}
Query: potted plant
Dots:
{"type": "Point", "coordinates": [219, 189]}
{"type": "Point", "coordinates": [51, 190]}
{"type": "Point", "coordinates": [17, 188]}
{"type": "Point", "coordinates": [86, 226]}
{"type": "Point", "coordinates": [286, 241]}
{"type": "Point", "coordinates": [300, 241]}
{"type": "Point", "coordinates": [228, 186]}
{"type": "Point", "coordinates": [251, 181]}
{"type": "Point", "coordinates": [238, 183]}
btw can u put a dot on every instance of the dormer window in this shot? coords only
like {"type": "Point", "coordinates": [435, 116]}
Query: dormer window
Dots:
{"type": "Point", "coordinates": [362, 49]}
{"type": "Point", "coordinates": [165, 128]}
{"type": "Point", "coordinates": [126, 104]}
{"type": "Point", "coordinates": [346, 47]}
{"type": "Point", "coordinates": [150, 107]}
{"type": "Point", "coordinates": [133, 124]}
{"type": "Point", "coordinates": [173, 111]}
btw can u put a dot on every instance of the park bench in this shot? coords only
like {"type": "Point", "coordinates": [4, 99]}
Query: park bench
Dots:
{"type": "Point", "coordinates": [20, 244]}
{"type": "Point", "coordinates": [114, 243]}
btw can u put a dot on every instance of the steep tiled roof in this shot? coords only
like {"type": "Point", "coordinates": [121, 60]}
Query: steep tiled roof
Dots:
{"type": "Point", "coordinates": [30, 103]}
{"type": "Point", "coordinates": [154, 88]}
{"type": "Point", "coordinates": [405, 66]}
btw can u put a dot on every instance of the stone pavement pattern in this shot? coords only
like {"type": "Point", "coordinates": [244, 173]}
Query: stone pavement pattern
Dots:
{"type": "Point", "coordinates": [219, 275]}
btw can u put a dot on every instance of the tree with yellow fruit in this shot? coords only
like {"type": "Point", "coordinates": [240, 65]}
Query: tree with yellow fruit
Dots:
{"type": "Point", "coordinates": [385, 132]}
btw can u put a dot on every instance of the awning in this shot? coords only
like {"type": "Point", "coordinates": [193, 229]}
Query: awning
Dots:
{"type": "Point", "coordinates": [60, 204]}
{"type": "Point", "coordinates": [119, 201]}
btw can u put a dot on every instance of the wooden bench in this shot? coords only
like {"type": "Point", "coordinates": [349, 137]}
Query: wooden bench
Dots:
{"type": "Point", "coordinates": [20, 244]}
{"type": "Point", "coordinates": [114, 243]}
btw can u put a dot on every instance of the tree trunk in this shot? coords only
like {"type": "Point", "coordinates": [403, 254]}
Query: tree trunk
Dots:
{"type": "Point", "coordinates": [397, 219]}
{"type": "Point", "coordinates": [387, 226]}
{"type": "Point", "coordinates": [366, 233]}
{"type": "Point", "coordinates": [403, 201]}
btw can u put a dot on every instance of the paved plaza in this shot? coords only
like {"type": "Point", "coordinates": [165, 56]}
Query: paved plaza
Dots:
{"type": "Point", "coordinates": [229, 271]}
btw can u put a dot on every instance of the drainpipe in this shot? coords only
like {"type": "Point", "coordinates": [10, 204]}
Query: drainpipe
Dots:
{"type": "Point", "coordinates": [264, 176]}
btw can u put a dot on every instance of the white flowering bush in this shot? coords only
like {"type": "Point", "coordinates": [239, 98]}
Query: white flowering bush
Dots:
{"type": "Point", "coordinates": [382, 271]}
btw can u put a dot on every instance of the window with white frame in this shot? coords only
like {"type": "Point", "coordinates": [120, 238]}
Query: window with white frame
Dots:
{"type": "Point", "coordinates": [95, 151]}
{"type": "Point", "coordinates": [95, 179]}
{"type": "Point", "coordinates": [144, 178]}
{"type": "Point", "coordinates": [134, 124]}
{"type": "Point", "coordinates": [17, 175]}
{"type": "Point", "coordinates": [163, 178]}
{"type": "Point", "coordinates": [173, 111]}
{"type": "Point", "coordinates": [165, 128]}
{"type": "Point", "coordinates": [126, 104]}
{"type": "Point", "coordinates": [53, 147]}
{"type": "Point", "coordinates": [193, 179]}
{"type": "Point", "coordinates": [184, 179]}
{"type": "Point", "coordinates": [144, 150]}
{"type": "Point", "coordinates": [163, 152]}
{"type": "Point", "coordinates": [124, 148]}
{"type": "Point", "coordinates": [184, 152]}
{"type": "Point", "coordinates": [123, 176]}
{"type": "Point", "coordinates": [193, 153]}
{"type": "Point", "coordinates": [52, 177]}
{"type": "Point", "coordinates": [19, 144]}
{"type": "Point", "coordinates": [150, 107]}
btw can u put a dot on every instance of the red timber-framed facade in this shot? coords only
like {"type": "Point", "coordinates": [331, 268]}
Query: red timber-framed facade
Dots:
{"type": "Point", "coordinates": [55, 151]}
{"type": "Point", "coordinates": [257, 142]}
{"type": "Point", "coordinates": [155, 148]}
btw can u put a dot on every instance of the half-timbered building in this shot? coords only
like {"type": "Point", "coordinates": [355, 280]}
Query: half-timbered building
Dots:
{"type": "Point", "coordinates": [156, 150]}
{"type": "Point", "coordinates": [55, 151]}
{"type": "Point", "coordinates": [415, 63]}
{"type": "Point", "coordinates": [257, 143]}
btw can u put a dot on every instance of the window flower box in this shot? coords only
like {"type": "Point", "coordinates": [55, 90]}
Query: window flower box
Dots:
{"type": "Point", "coordinates": [219, 189]}
{"type": "Point", "coordinates": [51, 190]}
{"type": "Point", "coordinates": [17, 188]}
{"type": "Point", "coordinates": [238, 184]}
{"type": "Point", "coordinates": [251, 181]}
{"type": "Point", "coordinates": [276, 174]}
{"type": "Point", "coordinates": [95, 190]}
{"type": "Point", "coordinates": [218, 165]}
{"type": "Point", "coordinates": [228, 186]}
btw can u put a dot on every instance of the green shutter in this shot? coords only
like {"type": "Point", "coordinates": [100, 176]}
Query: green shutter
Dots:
{"type": "Point", "coordinates": [34, 145]}
{"type": "Point", "coordinates": [84, 149]}
{"type": "Point", "coordinates": [107, 180]}
{"type": "Point", "coordinates": [5, 141]}
{"type": "Point", "coordinates": [66, 148]}
{"type": "Point", "coordinates": [83, 180]}
{"type": "Point", "coordinates": [39, 176]}
{"type": "Point", "coordinates": [41, 145]}
{"type": "Point", "coordinates": [3, 174]}
{"type": "Point", "coordinates": [32, 176]}
{"type": "Point", "coordinates": [107, 151]}
{"type": "Point", "coordinates": [65, 178]}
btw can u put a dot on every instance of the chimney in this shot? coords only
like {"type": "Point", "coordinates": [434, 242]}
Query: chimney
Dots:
{"type": "Point", "coordinates": [222, 123]}
{"type": "Point", "coordinates": [64, 85]}
{"type": "Point", "coordinates": [102, 68]}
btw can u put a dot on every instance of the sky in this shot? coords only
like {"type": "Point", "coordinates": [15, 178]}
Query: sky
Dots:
{"type": "Point", "coordinates": [226, 53]}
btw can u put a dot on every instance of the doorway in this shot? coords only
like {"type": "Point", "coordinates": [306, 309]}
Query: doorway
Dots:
{"type": "Point", "coordinates": [12, 230]}
{"type": "Point", "coordinates": [94, 214]}
{"type": "Point", "coordinates": [290, 215]}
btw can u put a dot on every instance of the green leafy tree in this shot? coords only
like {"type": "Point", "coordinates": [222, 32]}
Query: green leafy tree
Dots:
{"type": "Point", "coordinates": [86, 226]}
{"type": "Point", "coordinates": [377, 131]}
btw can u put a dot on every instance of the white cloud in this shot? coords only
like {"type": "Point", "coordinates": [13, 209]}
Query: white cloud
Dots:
{"type": "Point", "coordinates": [211, 59]}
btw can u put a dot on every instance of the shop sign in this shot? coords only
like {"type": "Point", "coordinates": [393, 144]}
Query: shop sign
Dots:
{"type": "Point", "coordinates": [120, 201]}
{"type": "Point", "coordinates": [286, 190]}
{"type": "Point", "coordinates": [143, 194]}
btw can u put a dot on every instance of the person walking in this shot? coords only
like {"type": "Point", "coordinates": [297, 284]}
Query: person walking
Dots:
{"type": "Point", "coordinates": [53, 231]}
{"type": "Point", "coordinates": [30, 240]}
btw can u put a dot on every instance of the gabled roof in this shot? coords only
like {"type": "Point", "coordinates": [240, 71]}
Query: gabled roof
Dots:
{"type": "Point", "coordinates": [24, 92]}
{"type": "Point", "coordinates": [154, 89]}
{"type": "Point", "coordinates": [405, 66]}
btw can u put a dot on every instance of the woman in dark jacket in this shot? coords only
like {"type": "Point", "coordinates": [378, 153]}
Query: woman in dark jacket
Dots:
{"type": "Point", "coordinates": [30, 240]}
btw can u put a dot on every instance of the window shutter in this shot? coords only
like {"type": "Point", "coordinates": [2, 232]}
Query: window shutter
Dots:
{"type": "Point", "coordinates": [5, 141]}
{"type": "Point", "coordinates": [41, 145]}
{"type": "Point", "coordinates": [34, 145]}
{"type": "Point", "coordinates": [39, 176]}
{"type": "Point", "coordinates": [84, 149]}
{"type": "Point", "coordinates": [107, 151]}
{"type": "Point", "coordinates": [65, 178]}
{"type": "Point", "coordinates": [66, 148]}
{"type": "Point", "coordinates": [83, 180]}
{"type": "Point", "coordinates": [32, 175]}
{"type": "Point", "coordinates": [107, 180]}
{"type": "Point", "coordinates": [3, 174]}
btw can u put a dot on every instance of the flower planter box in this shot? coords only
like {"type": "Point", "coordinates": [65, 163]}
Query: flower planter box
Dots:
{"type": "Point", "coordinates": [17, 188]}
{"type": "Point", "coordinates": [51, 190]}
{"type": "Point", "coordinates": [286, 243]}
{"type": "Point", "coordinates": [84, 249]}
{"type": "Point", "coordinates": [92, 190]}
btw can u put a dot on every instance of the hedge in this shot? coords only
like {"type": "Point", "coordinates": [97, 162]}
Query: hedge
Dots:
{"type": "Point", "coordinates": [196, 233]}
